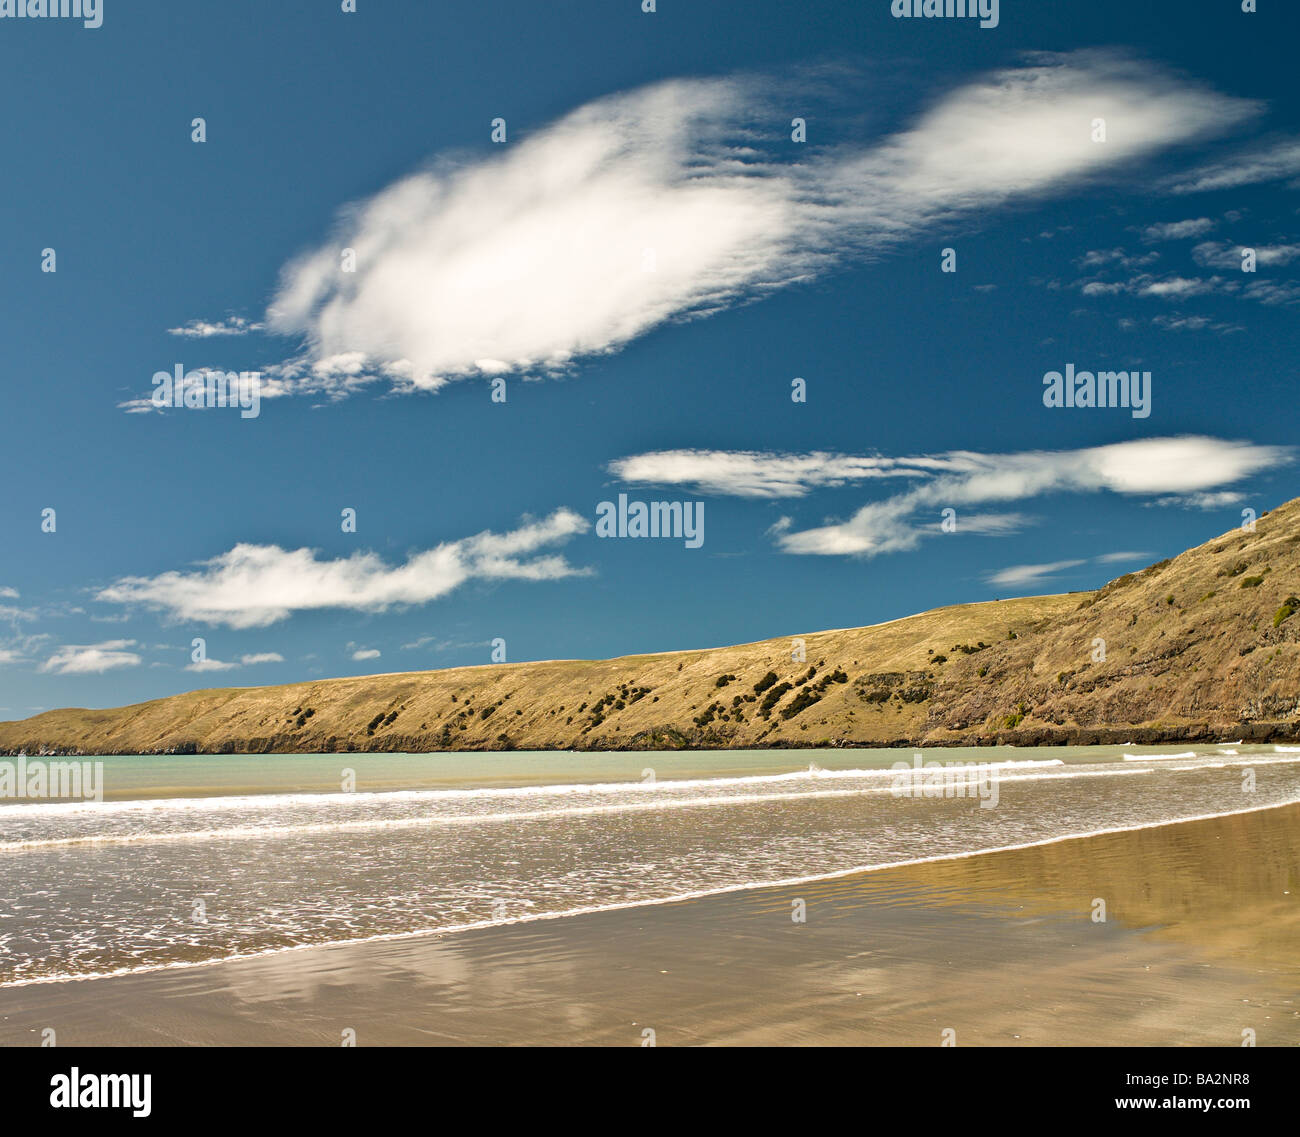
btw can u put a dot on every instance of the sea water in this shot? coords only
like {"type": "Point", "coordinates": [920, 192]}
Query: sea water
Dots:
{"type": "Point", "coordinates": [192, 860]}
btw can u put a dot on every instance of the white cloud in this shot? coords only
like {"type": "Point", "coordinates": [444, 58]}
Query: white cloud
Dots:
{"type": "Point", "coordinates": [1219, 500]}
{"type": "Point", "coordinates": [203, 329]}
{"type": "Point", "coordinates": [433, 643]}
{"type": "Point", "coordinates": [19, 647]}
{"type": "Point", "coordinates": [1178, 286]}
{"type": "Point", "coordinates": [535, 256]}
{"type": "Point", "coordinates": [1280, 159]}
{"type": "Point", "coordinates": [366, 653]}
{"type": "Point", "coordinates": [1273, 292]}
{"type": "Point", "coordinates": [1103, 288]}
{"type": "Point", "coordinates": [1019, 576]}
{"type": "Point", "coordinates": [9, 593]}
{"type": "Point", "coordinates": [1174, 288]}
{"type": "Point", "coordinates": [1022, 576]}
{"type": "Point", "coordinates": [1177, 322]}
{"type": "Point", "coordinates": [959, 479]}
{"type": "Point", "coordinates": [252, 586]}
{"type": "Point", "coordinates": [210, 665]}
{"type": "Point", "coordinates": [91, 659]}
{"type": "Point", "coordinates": [1178, 230]}
{"type": "Point", "coordinates": [1163, 288]}
{"type": "Point", "coordinates": [743, 473]}
{"type": "Point", "coordinates": [1222, 254]}
{"type": "Point", "coordinates": [1098, 257]}
{"type": "Point", "coordinates": [989, 524]}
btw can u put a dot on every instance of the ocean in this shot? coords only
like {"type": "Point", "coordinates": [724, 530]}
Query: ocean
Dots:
{"type": "Point", "coordinates": [191, 860]}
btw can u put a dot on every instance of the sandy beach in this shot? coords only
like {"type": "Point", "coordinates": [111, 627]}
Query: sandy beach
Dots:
{"type": "Point", "coordinates": [1201, 941]}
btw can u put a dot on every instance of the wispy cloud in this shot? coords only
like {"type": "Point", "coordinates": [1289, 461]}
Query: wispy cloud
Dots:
{"type": "Point", "coordinates": [1178, 230]}
{"type": "Point", "coordinates": [1204, 500]}
{"type": "Point", "coordinates": [1025, 576]}
{"type": "Point", "coordinates": [672, 202]}
{"type": "Point", "coordinates": [255, 585]}
{"type": "Point", "coordinates": [208, 664]}
{"type": "Point", "coordinates": [1117, 258]}
{"type": "Point", "coordinates": [18, 646]}
{"type": "Point", "coordinates": [365, 653]}
{"type": "Point", "coordinates": [742, 473]}
{"type": "Point", "coordinates": [1020, 576]}
{"type": "Point", "coordinates": [957, 480]}
{"type": "Point", "coordinates": [1141, 468]}
{"type": "Point", "coordinates": [433, 643]}
{"type": "Point", "coordinates": [1265, 162]}
{"type": "Point", "coordinates": [1273, 292]}
{"type": "Point", "coordinates": [90, 659]}
{"type": "Point", "coordinates": [1222, 254]}
{"type": "Point", "coordinates": [204, 329]}
{"type": "Point", "coordinates": [1179, 322]}
{"type": "Point", "coordinates": [1175, 288]}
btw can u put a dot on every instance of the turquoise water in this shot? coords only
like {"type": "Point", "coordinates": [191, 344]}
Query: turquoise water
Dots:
{"type": "Point", "coordinates": [135, 776]}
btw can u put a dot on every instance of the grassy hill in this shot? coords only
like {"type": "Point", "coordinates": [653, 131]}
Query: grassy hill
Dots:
{"type": "Point", "coordinates": [1201, 646]}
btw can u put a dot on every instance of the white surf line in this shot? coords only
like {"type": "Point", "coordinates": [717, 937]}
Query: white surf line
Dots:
{"type": "Point", "coordinates": [592, 909]}
{"type": "Point", "coordinates": [960, 776]}
{"type": "Point", "coordinates": [247, 832]}
{"type": "Point", "coordinates": [544, 789]}
{"type": "Point", "coordinates": [338, 799]}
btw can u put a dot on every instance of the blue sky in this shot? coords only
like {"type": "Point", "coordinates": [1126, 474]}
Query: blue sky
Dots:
{"type": "Point", "coordinates": [648, 260]}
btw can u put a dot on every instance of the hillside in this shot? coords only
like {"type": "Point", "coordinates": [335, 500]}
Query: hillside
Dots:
{"type": "Point", "coordinates": [1201, 646]}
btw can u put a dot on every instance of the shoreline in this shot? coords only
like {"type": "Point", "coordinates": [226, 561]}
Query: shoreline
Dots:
{"type": "Point", "coordinates": [980, 898]}
{"type": "Point", "coordinates": [632, 905]}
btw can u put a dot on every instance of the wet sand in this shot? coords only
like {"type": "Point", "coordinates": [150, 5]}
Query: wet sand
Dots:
{"type": "Point", "coordinates": [1201, 941]}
